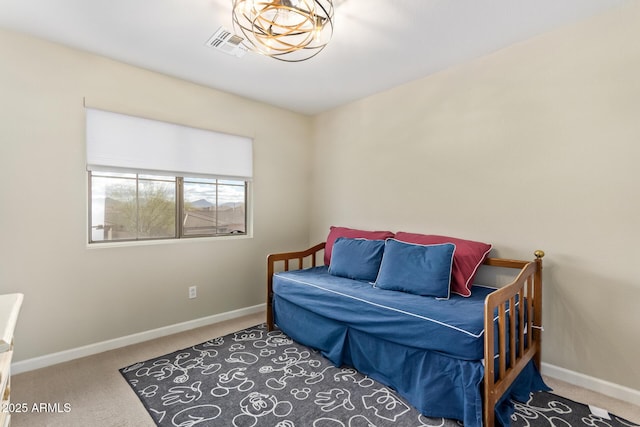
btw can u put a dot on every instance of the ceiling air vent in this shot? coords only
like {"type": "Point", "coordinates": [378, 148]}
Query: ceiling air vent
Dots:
{"type": "Point", "coordinates": [224, 41]}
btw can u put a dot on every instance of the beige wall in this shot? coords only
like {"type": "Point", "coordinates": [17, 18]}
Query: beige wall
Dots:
{"type": "Point", "coordinates": [535, 146]}
{"type": "Point", "coordinates": [77, 296]}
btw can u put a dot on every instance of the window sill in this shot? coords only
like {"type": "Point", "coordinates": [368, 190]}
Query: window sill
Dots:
{"type": "Point", "coordinates": [105, 245]}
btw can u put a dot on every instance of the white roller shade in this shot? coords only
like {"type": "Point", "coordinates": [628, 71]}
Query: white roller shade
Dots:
{"type": "Point", "coordinates": [132, 143]}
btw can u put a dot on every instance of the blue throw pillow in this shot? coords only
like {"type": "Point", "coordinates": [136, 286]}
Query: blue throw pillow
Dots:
{"type": "Point", "coordinates": [416, 269]}
{"type": "Point", "coordinates": [357, 259]}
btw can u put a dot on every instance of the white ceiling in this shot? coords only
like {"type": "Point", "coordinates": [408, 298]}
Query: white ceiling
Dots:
{"type": "Point", "coordinates": [377, 44]}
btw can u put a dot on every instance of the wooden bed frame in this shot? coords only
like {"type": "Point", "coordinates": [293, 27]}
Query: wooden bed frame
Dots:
{"type": "Point", "coordinates": [527, 286]}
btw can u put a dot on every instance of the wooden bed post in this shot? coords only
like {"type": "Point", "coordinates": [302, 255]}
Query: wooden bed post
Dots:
{"type": "Point", "coordinates": [537, 289]}
{"type": "Point", "coordinates": [270, 263]}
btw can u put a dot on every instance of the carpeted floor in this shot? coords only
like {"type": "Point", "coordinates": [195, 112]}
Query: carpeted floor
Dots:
{"type": "Point", "coordinates": [255, 378]}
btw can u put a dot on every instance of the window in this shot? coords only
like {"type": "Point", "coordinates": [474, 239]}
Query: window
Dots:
{"type": "Point", "coordinates": [213, 207]}
{"type": "Point", "coordinates": [155, 180]}
{"type": "Point", "coordinates": [129, 206]}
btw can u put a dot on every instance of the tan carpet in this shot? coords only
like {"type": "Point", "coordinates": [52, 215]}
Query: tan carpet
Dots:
{"type": "Point", "coordinates": [98, 396]}
{"type": "Point", "coordinates": [96, 391]}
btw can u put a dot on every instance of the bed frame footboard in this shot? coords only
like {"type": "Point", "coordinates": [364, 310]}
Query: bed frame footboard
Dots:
{"type": "Point", "coordinates": [517, 335]}
{"type": "Point", "coordinates": [306, 258]}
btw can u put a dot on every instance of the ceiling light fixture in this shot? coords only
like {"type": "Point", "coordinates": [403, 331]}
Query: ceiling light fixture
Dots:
{"type": "Point", "coordinates": [287, 30]}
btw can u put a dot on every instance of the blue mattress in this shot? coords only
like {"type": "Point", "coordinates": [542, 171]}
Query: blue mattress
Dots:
{"type": "Point", "coordinates": [430, 351]}
{"type": "Point", "coordinates": [454, 327]}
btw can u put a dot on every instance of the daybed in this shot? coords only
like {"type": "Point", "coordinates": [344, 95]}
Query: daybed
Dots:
{"type": "Point", "coordinates": [433, 350]}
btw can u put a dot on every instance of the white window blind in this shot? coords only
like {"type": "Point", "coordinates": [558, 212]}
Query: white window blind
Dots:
{"type": "Point", "coordinates": [125, 142]}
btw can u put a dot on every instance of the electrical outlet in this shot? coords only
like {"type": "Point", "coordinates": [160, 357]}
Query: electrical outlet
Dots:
{"type": "Point", "coordinates": [193, 292]}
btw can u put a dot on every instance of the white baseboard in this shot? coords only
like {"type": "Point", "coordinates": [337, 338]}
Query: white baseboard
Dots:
{"type": "Point", "coordinates": [607, 388]}
{"type": "Point", "coordinates": [88, 350]}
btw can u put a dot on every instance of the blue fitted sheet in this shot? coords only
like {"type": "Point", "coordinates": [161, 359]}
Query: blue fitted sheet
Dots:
{"type": "Point", "coordinates": [454, 327]}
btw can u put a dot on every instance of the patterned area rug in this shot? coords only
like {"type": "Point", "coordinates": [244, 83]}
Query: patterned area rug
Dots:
{"type": "Point", "coordinates": [259, 378]}
{"type": "Point", "coordinates": [548, 409]}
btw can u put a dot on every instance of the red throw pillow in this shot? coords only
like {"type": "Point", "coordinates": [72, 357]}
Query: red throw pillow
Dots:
{"type": "Point", "coordinates": [351, 233]}
{"type": "Point", "coordinates": [467, 258]}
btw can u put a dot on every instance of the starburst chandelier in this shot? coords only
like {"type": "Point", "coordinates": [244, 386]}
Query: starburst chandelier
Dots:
{"type": "Point", "coordinates": [287, 30]}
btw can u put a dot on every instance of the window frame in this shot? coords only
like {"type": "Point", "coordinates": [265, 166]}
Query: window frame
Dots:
{"type": "Point", "coordinates": [179, 209]}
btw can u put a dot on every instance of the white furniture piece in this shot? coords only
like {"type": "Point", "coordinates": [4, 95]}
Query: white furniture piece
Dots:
{"type": "Point", "coordinates": [9, 308]}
